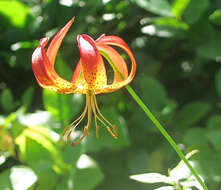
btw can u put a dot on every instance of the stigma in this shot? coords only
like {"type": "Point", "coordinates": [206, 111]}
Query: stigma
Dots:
{"type": "Point", "coordinates": [91, 110]}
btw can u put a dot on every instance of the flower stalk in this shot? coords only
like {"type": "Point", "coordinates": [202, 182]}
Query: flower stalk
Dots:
{"type": "Point", "coordinates": [157, 124]}
{"type": "Point", "coordinates": [165, 134]}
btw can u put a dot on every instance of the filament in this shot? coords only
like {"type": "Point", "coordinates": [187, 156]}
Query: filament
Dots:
{"type": "Point", "coordinates": [95, 116]}
{"type": "Point", "coordinates": [103, 119]}
{"type": "Point", "coordinates": [99, 112]}
{"type": "Point", "coordinates": [87, 127]}
{"type": "Point", "coordinates": [91, 109]}
{"type": "Point", "coordinates": [80, 117]}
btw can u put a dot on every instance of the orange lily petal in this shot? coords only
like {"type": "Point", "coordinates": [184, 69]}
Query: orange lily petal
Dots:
{"type": "Point", "coordinates": [40, 72]}
{"type": "Point", "coordinates": [92, 63]}
{"type": "Point", "coordinates": [117, 60]}
{"type": "Point", "coordinates": [117, 41]}
{"type": "Point", "coordinates": [46, 75]}
{"type": "Point", "coordinates": [56, 42]}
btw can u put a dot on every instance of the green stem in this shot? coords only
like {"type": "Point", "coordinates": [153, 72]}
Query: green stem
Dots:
{"type": "Point", "coordinates": [165, 134]}
{"type": "Point", "coordinates": [155, 121]}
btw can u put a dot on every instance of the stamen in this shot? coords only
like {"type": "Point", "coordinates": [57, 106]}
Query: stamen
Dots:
{"type": "Point", "coordinates": [115, 130]}
{"type": "Point", "coordinates": [88, 97]}
{"type": "Point", "coordinates": [99, 112]}
{"type": "Point", "coordinates": [95, 115]}
{"type": "Point", "coordinates": [91, 108]}
{"type": "Point", "coordinates": [74, 124]}
{"type": "Point", "coordinates": [107, 127]}
{"type": "Point", "coordinates": [69, 134]}
{"type": "Point", "coordinates": [65, 130]}
{"type": "Point", "coordinates": [109, 130]}
{"type": "Point", "coordinates": [114, 133]}
{"type": "Point", "coordinates": [86, 129]}
{"type": "Point", "coordinates": [80, 117]}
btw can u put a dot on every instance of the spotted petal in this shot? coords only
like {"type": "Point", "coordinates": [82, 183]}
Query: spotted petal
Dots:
{"type": "Point", "coordinates": [92, 63]}
{"type": "Point", "coordinates": [117, 60]}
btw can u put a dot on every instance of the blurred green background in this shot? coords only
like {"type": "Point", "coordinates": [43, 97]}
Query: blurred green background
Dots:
{"type": "Point", "coordinates": [177, 45]}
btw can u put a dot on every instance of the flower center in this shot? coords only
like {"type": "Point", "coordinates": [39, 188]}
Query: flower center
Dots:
{"type": "Point", "coordinates": [90, 109]}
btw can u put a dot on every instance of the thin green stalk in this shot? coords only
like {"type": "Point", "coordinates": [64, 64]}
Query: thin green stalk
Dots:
{"type": "Point", "coordinates": [165, 134]}
{"type": "Point", "coordinates": [155, 121]}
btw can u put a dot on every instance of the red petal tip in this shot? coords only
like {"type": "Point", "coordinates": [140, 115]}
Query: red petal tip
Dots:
{"type": "Point", "coordinates": [44, 41]}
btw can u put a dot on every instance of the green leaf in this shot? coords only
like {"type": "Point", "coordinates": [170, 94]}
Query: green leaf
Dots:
{"type": "Point", "coordinates": [172, 22]}
{"type": "Point", "coordinates": [210, 46]}
{"type": "Point", "coordinates": [195, 137]}
{"type": "Point", "coordinates": [165, 188]}
{"type": "Point", "coordinates": [36, 143]}
{"type": "Point", "coordinates": [63, 108]}
{"type": "Point", "coordinates": [159, 7]}
{"type": "Point", "coordinates": [214, 122]}
{"type": "Point", "coordinates": [15, 11]}
{"type": "Point", "coordinates": [88, 174]}
{"type": "Point", "coordinates": [178, 7]}
{"type": "Point", "coordinates": [194, 10]}
{"type": "Point", "coordinates": [17, 129]}
{"type": "Point", "coordinates": [39, 150]}
{"type": "Point", "coordinates": [27, 97]}
{"type": "Point", "coordinates": [215, 138]}
{"type": "Point", "coordinates": [191, 113]}
{"type": "Point", "coordinates": [218, 82]}
{"type": "Point", "coordinates": [70, 154]}
{"type": "Point", "coordinates": [151, 178]}
{"type": "Point", "coordinates": [7, 100]}
{"type": "Point", "coordinates": [47, 177]}
{"type": "Point", "coordinates": [215, 17]}
{"type": "Point", "coordinates": [5, 180]}
{"type": "Point", "coordinates": [153, 93]}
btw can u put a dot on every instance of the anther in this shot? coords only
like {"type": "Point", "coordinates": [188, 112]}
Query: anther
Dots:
{"type": "Point", "coordinates": [82, 137]}
{"type": "Point", "coordinates": [68, 135]}
{"type": "Point", "coordinates": [109, 130]}
{"type": "Point", "coordinates": [65, 130]}
{"type": "Point", "coordinates": [115, 130]}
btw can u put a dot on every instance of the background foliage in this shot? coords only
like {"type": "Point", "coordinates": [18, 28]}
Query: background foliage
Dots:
{"type": "Point", "coordinates": [177, 44]}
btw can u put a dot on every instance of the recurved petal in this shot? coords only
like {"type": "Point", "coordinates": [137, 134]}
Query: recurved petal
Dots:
{"type": "Point", "coordinates": [46, 75]}
{"type": "Point", "coordinates": [56, 42]}
{"type": "Point", "coordinates": [117, 41]}
{"type": "Point", "coordinates": [92, 63]}
{"type": "Point", "coordinates": [39, 68]}
{"type": "Point", "coordinates": [117, 60]}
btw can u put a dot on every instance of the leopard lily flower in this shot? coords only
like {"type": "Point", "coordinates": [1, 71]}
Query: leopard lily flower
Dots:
{"type": "Point", "coordinates": [89, 77]}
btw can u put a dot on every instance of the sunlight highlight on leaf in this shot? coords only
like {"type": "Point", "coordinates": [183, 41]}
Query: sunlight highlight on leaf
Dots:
{"type": "Point", "coordinates": [15, 11]}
